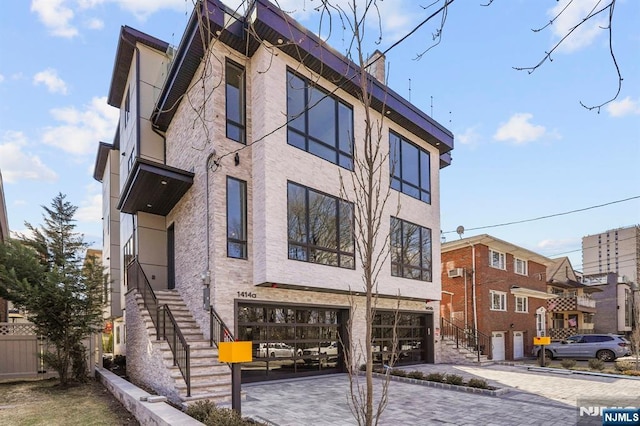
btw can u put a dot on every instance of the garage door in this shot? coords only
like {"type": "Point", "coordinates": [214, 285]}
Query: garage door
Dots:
{"type": "Point", "coordinates": [497, 343]}
{"type": "Point", "coordinates": [518, 344]}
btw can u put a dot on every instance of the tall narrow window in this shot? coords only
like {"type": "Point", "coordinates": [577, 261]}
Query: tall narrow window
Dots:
{"type": "Point", "coordinates": [235, 94]}
{"type": "Point", "coordinates": [410, 250]}
{"type": "Point", "coordinates": [127, 109]}
{"type": "Point", "coordinates": [236, 218]}
{"type": "Point", "coordinates": [409, 168]}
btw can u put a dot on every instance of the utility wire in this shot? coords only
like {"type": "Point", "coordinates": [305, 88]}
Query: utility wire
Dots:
{"type": "Point", "coordinates": [547, 216]}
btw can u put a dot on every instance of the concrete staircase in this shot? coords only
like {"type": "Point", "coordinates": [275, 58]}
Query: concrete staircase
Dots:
{"type": "Point", "coordinates": [210, 379]}
{"type": "Point", "coordinates": [451, 354]}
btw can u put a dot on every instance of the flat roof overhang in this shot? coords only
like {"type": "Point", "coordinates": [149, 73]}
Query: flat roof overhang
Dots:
{"type": "Point", "coordinates": [153, 188]}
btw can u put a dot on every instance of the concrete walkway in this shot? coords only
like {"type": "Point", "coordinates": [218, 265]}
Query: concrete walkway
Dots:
{"type": "Point", "coordinates": [535, 398]}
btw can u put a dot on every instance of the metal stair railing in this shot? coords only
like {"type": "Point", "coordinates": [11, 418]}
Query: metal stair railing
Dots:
{"type": "Point", "coordinates": [167, 330]}
{"type": "Point", "coordinates": [218, 330]}
{"type": "Point", "coordinates": [468, 338]}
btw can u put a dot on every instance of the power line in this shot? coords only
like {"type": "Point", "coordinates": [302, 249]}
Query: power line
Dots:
{"type": "Point", "coordinates": [547, 216]}
{"type": "Point", "coordinates": [590, 247]}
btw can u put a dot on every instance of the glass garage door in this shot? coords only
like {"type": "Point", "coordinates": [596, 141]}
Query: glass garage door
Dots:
{"type": "Point", "coordinates": [291, 341]}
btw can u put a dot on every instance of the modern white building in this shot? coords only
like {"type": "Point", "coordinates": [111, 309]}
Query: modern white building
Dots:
{"type": "Point", "coordinates": [223, 204]}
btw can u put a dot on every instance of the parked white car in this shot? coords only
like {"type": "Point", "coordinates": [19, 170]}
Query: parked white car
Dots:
{"type": "Point", "coordinates": [274, 350]}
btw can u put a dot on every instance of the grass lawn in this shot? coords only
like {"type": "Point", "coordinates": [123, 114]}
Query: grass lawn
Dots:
{"type": "Point", "coordinates": [43, 402]}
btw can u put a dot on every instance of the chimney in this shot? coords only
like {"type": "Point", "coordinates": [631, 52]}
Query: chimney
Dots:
{"type": "Point", "coordinates": [375, 66]}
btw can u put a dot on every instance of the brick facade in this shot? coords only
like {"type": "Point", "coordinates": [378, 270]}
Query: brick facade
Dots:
{"type": "Point", "coordinates": [487, 279]}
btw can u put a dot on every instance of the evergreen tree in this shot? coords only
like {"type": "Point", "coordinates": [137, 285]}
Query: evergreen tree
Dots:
{"type": "Point", "coordinates": [45, 274]}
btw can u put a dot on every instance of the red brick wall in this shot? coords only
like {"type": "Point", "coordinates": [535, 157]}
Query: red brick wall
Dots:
{"type": "Point", "coordinates": [487, 279]}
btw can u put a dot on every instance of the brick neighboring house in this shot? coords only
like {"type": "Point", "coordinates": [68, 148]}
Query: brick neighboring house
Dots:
{"type": "Point", "coordinates": [238, 206]}
{"type": "Point", "coordinates": [495, 287]}
{"type": "Point", "coordinates": [573, 307]}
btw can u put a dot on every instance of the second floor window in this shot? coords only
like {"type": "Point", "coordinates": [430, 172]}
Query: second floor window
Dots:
{"type": "Point", "coordinates": [497, 259]}
{"type": "Point", "coordinates": [235, 101]}
{"type": "Point", "coordinates": [236, 218]}
{"type": "Point", "coordinates": [320, 227]}
{"type": "Point", "coordinates": [522, 304]}
{"type": "Point", "coordinates": [498, 300]}
{"type": "Point", "coordinates": [318, 122]}
{"type": "Point", "coordinates": [520, 266]}
{"type": "Point", "coordinates": [410, 168]}
{"type": "Point", "coordinates": [127, 109]}
{"type": "Point", "coordinates": [410, 250]}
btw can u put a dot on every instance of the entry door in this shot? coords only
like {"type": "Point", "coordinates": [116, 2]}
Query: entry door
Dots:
{"type": "Point", "coordinates": [518, 344]}
{"type": "Point", "coordinates": [171, 257]}
{"type": "Point", "coordinates": [497, 343]}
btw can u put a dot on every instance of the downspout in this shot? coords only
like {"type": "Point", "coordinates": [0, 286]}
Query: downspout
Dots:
{"type": "Point", "coordinates": [207, 273]}
{"type": "Point", "coordinates": [466, 302]}
{"type": "Point", "coordinates": [473, 289]}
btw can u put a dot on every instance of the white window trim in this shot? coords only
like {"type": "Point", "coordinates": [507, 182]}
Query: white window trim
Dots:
{"type": "Point", "coordinates": [503, 298]}
{"type": "Point", "coordinates": [526, 304]}
{"type": "Point", "coordinates": [503, 256]}
{"type": "Point", "coordinates": [515, 266]}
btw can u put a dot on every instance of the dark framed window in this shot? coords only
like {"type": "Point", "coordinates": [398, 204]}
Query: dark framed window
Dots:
{"type": "Point", "coordinates": [127, 109]}
{"type": "Point", "coordinates": [410, 168]}
{"type": "Point", "coordinates": [320, 227]}
{"type": "Point", "coordinates": [236, 218]}
{"type": "Point", "coordinates": [235, 101]}
{"type": "Point", "coordinates": [410, 250]}
{"type": "Point", "coordinates": [318, 122]}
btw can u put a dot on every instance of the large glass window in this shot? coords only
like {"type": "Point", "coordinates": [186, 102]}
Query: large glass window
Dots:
{"type": "Point", "coordinates": [236, 218]}
{"type": "Point", "coordinates": [320, 227]}
{"type": "Point", "coordinates": [318, 122]}
{"type": "Point", "coordinates": [410, 250]}
{"type": "Point", "coordinates": [410, 168]}
{"type": "Point", "coordinates": [235, 98]}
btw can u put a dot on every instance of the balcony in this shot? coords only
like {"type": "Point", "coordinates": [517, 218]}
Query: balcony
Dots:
{"type": "Point", "coordinates": [153, 188]}
{"type": "Point", "coordinates": [571, 303]}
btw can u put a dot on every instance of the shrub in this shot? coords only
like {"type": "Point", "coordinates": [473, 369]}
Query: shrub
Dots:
{"type": "Point", "coordinates": [454, 379]}
{"type": "Point", "coordinates": [207, 413]}
{"type": "Point", "coordinates": [568, 363]}
{"type": "Point", "coordinates": [416, 375]}
{"type": "Point", "coordinates": [200, 410]}
{"type": "Point", "coordinates": [624, 365]}
{"type": "Point", "coordinates": [478, 383]}
{"type": "Point", "coordinates": [435, 377]}
{"type": "Point", "coordinates": [398, 372]}
{"type": "Point", "coordinates": [596, 364]}
{"type": "Point", "coordinates": [631, 373]}
{"type": "Point", "coordinates": [120, 360]}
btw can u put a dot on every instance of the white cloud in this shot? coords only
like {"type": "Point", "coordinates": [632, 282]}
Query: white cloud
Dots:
{"type": "Point", "coordinates": [626, 106]}
{"type": "Point", "coordinates": [519, 130]}
{"type": "Point", "coordinates": [1, 78]}
{"type": "Point", "coordinates": [19, 165]}
{"type": "Point", "coordinates": [95, 24]}
{"type": "Point", "coordinates": [469, 137]}
{"type": "Point", "coordinates": [49, 78]}
{"type": "Point", "coordinates": [56, 16]}
{"type": "Point", "coordinates": [81, 130]}
{"type": "Point", "coordinates": [574, 14]}
{"type": "Point", "coordinates": [90, 209]}
{"type": "Point", "coordinates": [558, 246]}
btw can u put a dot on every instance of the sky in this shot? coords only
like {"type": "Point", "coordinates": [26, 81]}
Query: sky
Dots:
{"type": "Point", "coordinates": [524, 145]}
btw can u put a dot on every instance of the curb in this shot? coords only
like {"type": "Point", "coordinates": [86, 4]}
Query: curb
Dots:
{"type": "Point", "coordinates": [447, 386]}
{"type": "Point", "coordinates": [584, 373]}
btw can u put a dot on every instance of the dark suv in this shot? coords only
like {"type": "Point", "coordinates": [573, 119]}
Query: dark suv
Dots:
{"type": "Point", "coordinates": [605, 347]}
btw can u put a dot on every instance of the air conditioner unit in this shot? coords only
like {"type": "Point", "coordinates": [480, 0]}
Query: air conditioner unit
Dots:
{"type": "Point", "coordinates": [455, 273]}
